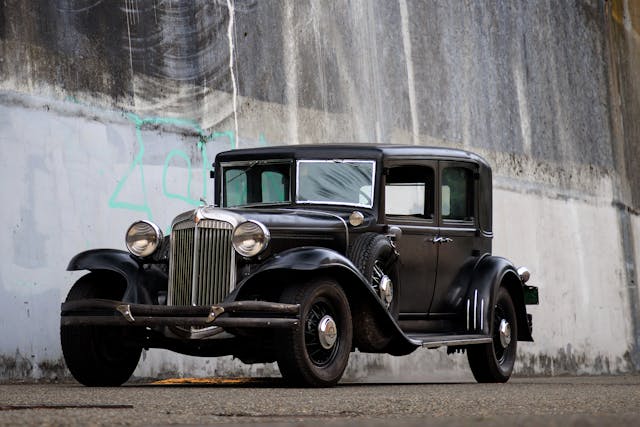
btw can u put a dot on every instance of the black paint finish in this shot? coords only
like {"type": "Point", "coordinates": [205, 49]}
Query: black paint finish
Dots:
{"type": "Point", "coordinates": [447, 279]}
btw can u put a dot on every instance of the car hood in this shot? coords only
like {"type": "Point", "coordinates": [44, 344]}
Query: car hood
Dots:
{"type": "Point", "coordinates": [289, 227]}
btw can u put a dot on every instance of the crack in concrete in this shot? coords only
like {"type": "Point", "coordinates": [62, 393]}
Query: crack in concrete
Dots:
{"type": "Point", "coordinates": [45, 406]}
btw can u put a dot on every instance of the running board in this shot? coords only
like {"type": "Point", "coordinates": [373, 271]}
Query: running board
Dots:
{"type": "Point", "coordinates": [435, 341]}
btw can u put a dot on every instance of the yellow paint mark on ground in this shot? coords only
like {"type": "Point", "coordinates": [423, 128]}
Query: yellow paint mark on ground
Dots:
{"type": "Point", "coordinates": [210, 381]}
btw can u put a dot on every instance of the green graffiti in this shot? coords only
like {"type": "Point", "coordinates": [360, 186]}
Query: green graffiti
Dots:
{"type": "Point", "coordinates": [114, 202]}
{"type": "Point", "coordinates": [166, 192]}
{"type": "Point", "coordinates": [137, 166]}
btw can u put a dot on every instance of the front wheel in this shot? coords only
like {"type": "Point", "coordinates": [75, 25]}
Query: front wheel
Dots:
{"type": "Point", "coordinates": [315, 352]}
{"type": "Point", "coordinates": [493, 362]}
{"type": "Point", "coordinates": [98, 355]}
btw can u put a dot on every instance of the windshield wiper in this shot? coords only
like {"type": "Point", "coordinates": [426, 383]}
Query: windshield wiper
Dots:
{"type": "Point", "coordinates": [248, 168]}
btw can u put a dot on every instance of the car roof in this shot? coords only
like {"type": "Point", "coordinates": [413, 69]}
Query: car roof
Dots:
{"type": "Point", "coordinates": [350, 151]}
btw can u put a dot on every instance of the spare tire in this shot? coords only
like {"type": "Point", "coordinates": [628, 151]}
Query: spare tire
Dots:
{"type": "Point", "coordinates": [376, 258]}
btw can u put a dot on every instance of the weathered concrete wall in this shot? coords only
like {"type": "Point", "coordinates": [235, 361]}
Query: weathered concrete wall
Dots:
{"type": "Point", "coordinates": [112, 111]}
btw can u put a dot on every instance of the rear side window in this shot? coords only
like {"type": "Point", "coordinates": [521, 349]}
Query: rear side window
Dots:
{"type": "Point", "coordinates": [409, 192]}
{"type": "Point", "coordinates": [457, 194]}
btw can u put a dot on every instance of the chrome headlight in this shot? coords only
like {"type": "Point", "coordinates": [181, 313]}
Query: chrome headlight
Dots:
{"type": "Point", "coordinates": [250, 238]}
{"type": "Point", "coordinates": [143, 238]}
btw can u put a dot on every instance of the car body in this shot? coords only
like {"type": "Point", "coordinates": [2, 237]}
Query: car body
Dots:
{"type": "Point", "coordinates": [308, 253]}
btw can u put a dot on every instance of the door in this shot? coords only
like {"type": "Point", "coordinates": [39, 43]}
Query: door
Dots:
{"type": "Point", "coordinates": [409, 205]}
{"type": "Point", "coordinates": [458, 237]}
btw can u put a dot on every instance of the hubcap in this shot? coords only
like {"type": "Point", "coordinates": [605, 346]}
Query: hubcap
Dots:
{"type": "Point", "coordinates": [386, 290]}
{"type": "Point", "coordinates": [505, 333]}
{"type": "Point", "coordinates": [382, 284]}
{"type": "Point", "coordinates": [327, 332]}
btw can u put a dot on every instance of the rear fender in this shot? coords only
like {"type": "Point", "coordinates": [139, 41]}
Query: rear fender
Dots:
{"type": "Point", "coordinates": [143, 281]}
{"type": "Point", "coordinates": [491, 273]}
{"type": "Point", "coordinates": [375, 330]}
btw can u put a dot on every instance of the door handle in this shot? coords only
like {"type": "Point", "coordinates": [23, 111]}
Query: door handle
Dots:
{"type": "Point", "coordinates": [440, 239]}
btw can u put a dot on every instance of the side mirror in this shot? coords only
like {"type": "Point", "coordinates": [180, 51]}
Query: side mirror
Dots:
{"type": "Point", "coordinates": [212, 172]}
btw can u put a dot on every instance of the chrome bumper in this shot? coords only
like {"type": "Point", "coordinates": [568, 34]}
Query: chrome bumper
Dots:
{"type": "Point", "coordinates": [238, 314]}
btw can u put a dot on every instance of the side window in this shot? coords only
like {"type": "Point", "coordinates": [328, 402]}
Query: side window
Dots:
{"type": "Point", "coordinates": [457, 194]}
{"type": "Point", "coordinates": [409, 192]}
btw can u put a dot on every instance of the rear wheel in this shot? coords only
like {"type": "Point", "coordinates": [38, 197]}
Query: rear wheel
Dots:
{"type": "Point", "coordinates": [98, 355]}
{"type": "Point", "coordinates": [315, 352]}
{"type": "Point", "coordinates": [493, 362]}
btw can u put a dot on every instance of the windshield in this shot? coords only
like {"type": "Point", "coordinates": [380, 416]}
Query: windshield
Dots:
{"type": "Point", "coordinates": [339, 182]}
{"type": "Point", "coordinates": [256, 183]}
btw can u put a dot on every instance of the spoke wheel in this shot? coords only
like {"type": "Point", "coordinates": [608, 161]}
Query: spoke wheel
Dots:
{"type": "Point", "coordinates": [315, 352]}
{"type": "Point", "coordinates": [494, 362]}
{"type": "Point", "coordinates": [321, 350]}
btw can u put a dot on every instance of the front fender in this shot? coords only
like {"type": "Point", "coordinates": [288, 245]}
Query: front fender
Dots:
{"type": "Point", "coordinates": [491, 273]}
{"type": "Point", "coordinates": [303, 260]}
{"type": "Point", "coordinates": [143, 283]}
{"type": "Point", "coordinates": [375, 330]}
{"type": "Point", "coordinates": [105, 259]}
{"type": "Point", "coordinates": [309, 258]}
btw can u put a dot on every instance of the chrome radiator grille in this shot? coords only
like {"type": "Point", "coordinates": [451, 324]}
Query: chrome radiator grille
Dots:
{"type": "Point", "coordinates": [202, 263]}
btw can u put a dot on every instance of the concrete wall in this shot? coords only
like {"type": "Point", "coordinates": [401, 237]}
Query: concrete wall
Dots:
{"type": "Point", "coordinates": [111, 111]}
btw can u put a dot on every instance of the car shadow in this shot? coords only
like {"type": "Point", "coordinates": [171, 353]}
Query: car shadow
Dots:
{"type": "Point", "coordinates": [269, 382]}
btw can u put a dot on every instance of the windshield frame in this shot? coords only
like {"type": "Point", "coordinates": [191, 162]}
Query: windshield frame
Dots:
{"type": "Point", "coordinates": [369, 205]}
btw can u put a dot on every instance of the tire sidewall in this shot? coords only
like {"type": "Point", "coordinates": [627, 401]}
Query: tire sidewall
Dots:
{"type": "Point", "coordinates": [505, 368]}
{"type": "Point", "coordinates": [97, 355]}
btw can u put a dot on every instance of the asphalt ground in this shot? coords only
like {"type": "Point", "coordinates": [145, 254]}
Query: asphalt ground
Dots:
{"type": "Point", "coordinates": [536, 401]}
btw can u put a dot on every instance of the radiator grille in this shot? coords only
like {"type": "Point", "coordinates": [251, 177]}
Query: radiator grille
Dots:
{"type": "Point", "coordinates": [201, 266]}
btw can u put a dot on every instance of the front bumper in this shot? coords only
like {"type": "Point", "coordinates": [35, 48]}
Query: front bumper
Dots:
{"type": "Point", "coordinates": [237, 314]}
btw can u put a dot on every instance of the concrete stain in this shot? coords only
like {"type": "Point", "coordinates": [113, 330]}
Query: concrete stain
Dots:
{"type": "Point", "coordinates": [26, 232]}
{"type": "Point", "coordinates": [568, 362]}
{"type": "Point", "coordinates": [21, 367]}
{"type": "Point", "coordinates": [16, 366]}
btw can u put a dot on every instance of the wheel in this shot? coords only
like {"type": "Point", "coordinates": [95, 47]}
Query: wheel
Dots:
{"type": "Point", "coordinates": [98, 355]}
{"type": "Point", "coordinates": [315, 353]}
{"type": "Point", "coordinates": [375, 257]}
{"type": "Point", "coordinates": [493, 362]}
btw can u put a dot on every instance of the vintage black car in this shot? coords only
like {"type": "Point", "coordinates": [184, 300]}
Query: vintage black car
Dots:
{"type": "Point", "coordinates": [307, 254]}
